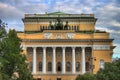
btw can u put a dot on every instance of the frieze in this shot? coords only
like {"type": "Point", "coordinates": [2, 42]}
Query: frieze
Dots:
{"type": "Point", "coordinates": [47, 35]}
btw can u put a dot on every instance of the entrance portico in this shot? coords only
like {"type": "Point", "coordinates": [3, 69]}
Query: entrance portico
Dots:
{"type": "Point", "coordinates": [60, 58]}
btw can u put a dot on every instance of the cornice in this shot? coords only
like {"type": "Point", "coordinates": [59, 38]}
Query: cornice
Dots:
{"type": "Point", "coordinates": [67, 40]}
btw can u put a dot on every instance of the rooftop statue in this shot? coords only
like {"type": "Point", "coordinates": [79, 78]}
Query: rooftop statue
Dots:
{"type": "Point", "coordinates": [51, 26]}
{"type": "Point", "coordinates": [66, 26]}
{"type": "Point", "coordinates": [59, 25]}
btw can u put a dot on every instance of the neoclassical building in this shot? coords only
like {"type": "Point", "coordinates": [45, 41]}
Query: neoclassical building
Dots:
{"type": "Point", "coordinates": [60, 46]}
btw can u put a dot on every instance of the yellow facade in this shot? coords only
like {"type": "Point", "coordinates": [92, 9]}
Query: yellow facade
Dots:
{"type": "Point", "coordinates": [79, 32]}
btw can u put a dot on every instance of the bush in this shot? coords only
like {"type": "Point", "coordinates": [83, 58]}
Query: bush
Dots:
{"type": "Point", "coordinates": [86, 76]}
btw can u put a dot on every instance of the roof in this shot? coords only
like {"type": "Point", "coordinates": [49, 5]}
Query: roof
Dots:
{"type": "Point", "coordinates": [58, 12]}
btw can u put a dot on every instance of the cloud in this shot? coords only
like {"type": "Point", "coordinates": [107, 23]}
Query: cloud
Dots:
{"type": "Point", "coordinates": [107, 12]}
{"type": "Point", "coordinates": [8, 12]}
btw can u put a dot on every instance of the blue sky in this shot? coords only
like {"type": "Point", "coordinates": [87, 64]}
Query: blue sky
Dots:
{"type": "Point", "coordinates": [107, 12]}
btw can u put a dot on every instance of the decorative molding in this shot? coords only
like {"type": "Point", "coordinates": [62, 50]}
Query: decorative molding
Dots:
{"type": "Point", "coordinates": [47, 35]}
{"type": "Point", "coordinates": [68, 40]}
{"type": "Point", "coordinates": [95, 47]}
{"type": "Point", "coordinates": [58, 36]}
{"type": "Point", "coordinates": [101, 47]}
{"type": "Point", "coordinates": [69, 35]}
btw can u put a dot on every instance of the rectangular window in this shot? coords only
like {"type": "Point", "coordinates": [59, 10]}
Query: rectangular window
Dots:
{"type": "Point", "coordinates": [101, 64]}
{"type": "Point", "coordinates": [58, 78]}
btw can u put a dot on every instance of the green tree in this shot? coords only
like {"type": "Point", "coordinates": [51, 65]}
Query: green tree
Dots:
{"type": "Point", "coordinates": [87, 76]}
{"type": "Point", "coordinates": [111, 71]}
{"type": "Point", "coordinates": [3, 32]}
{"type": "Point", "coordinates": [2, 36]}
{"type": "Point", "coordinates": [14, 61]}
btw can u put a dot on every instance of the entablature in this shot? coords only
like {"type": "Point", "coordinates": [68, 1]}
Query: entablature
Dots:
{"type": "Point", "coordinates": [67, 40]}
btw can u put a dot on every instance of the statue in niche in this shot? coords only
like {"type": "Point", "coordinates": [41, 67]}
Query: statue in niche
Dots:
{"type": "Point", "coordinates": [51, 26]}
{"type": "Point", "coordinates": [59, 25]}
{"type": "Point", "coordinates": [66, 26]}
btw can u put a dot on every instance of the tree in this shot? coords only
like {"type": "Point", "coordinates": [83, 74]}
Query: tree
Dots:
{"type": "Point", "coordinates": [2, 36]}
{"type": "Point", "coordinates": [14, 61]}
{"type": "Point", "coordinates": [2, 29]}
{"type": "Point", "coordinates": [87, 76]}
{"type": "Point", "coordinates": [111, 71]}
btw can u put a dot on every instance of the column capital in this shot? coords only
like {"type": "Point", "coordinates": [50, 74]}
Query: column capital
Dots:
{"type": "Point", "coordinates": [63, 47]}
{"type": "Point", "coordinates": [54, 47]}
{"type": "Point", "coordinates": [34, 47]}
{"type": "Point", "coordinates": [83, 47]}
{"type": "Point", "coordinates": [73, 47]}
{"type": "Point", "coordinates": [44, 47]}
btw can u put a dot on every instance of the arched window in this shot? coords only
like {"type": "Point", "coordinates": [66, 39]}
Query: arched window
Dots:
{"type": "Point", "coordinates": [59, 66]}
{"type": "Point", "coordinates": [102, 64]}
{"type": "Point", "coordinates": [68, 66]}
{"type": "Point", "coordinates": [49, 66]}
{"type": "Point", "coordinates": [40, 66]}
{"type": "Point", "coordinates": [77, 66]}
{"type": "Point", "coordinates": [87, 66]}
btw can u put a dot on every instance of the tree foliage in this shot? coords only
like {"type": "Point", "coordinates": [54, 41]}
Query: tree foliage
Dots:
{"type": "Point", "coordinates": [11, 59]}
{"type": "Point", "coordinates": [111, 71]}
{"type": "Point", "coordinates": [3, 25]}
{"type": "Point", "coordinates": [87, 76]}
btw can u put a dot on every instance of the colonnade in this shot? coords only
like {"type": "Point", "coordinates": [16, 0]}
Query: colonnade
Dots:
{"type": "Point", "coordinates": [54, 60]}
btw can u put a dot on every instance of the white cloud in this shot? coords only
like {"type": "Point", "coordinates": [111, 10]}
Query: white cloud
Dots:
{"type": "Point", "coordinates": [9, 12]}
{"type": "Point", "coordinates": [107, 12]}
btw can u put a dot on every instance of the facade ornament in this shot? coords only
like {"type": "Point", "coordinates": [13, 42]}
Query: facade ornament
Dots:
{"type": "Point", "coordinates": [47, 35]}
{"type": "Point", "coordinates": [58, 36]}
{"type": "Point", "coordinates": [69, 35]}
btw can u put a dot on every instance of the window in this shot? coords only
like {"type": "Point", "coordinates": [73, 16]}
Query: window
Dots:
{"type": "Point", "coordinates": [31, 54]}
{"type": "Point", "coordinates": [40, 54]}
{"type": "Point", "coordinates": [59, 66]}
{"type": "Point", "coordinates": [87, 66]}
{"type": "Point", "coordinates": [58, 78]}
{"type": "Point", "coordinates": [49, 66]}
{"type": "Point", "coordinates": [39, 79]}
{"type": "Point", "coordinates": [77, 66]}
{"type": "Point", "coordinates": [40, 66]}
{"type": "Point", "coordinates": [58, 54]}
{"type": "Point", "coordinates": [78, 54]}
{"type": "Point", "coordinates": [49, 54]}
{"type": "Point", "coordinates": [68, 54]}
{"type": "Point", "coordinates": [102, 64]}
{"type": "Point", "coordinates": [68, 66]}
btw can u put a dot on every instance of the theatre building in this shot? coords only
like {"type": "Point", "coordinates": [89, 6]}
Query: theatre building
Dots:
{"type": "Point", "coordinates": [60, 46]}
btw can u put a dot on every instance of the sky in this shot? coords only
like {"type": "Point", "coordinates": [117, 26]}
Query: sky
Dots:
{"type": "Point", "coordinates": [107, 12]}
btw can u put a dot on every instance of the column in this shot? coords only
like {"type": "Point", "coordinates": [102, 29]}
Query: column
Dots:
{"type": "Point", "coordinates": [34, 60]}
{"type": "Point", "coordinates": [44, 60]}
{"type": "Point", "coordinates": [63, 60]}
{"type": "Point", "coordinates": [73, 60]}
{"type": "Point", "coordinates": [83, 60]}
{"type": "Point", "coordinates": [54, 61]}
